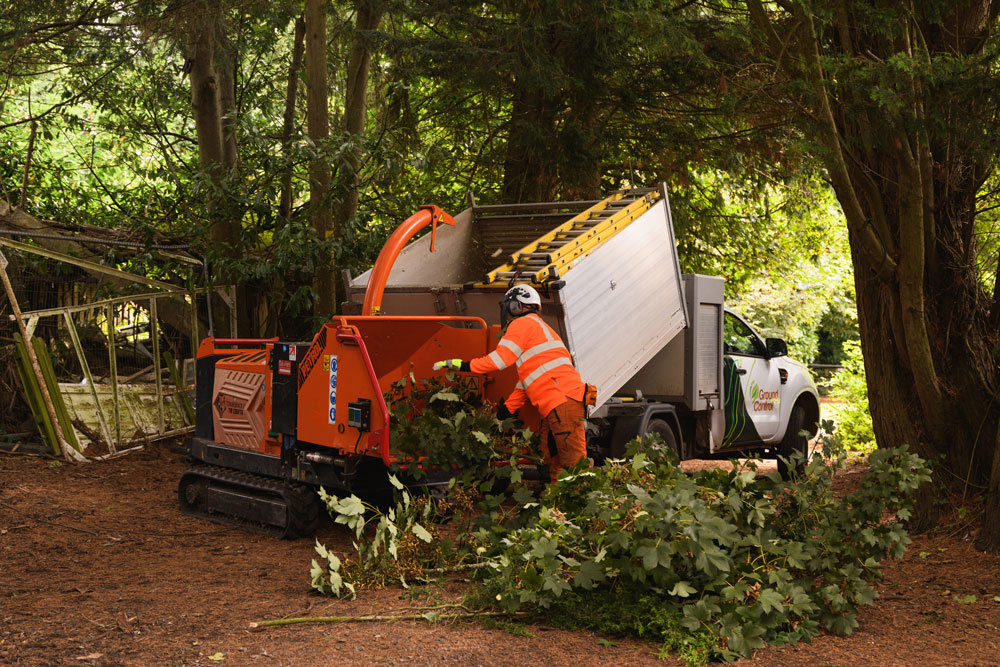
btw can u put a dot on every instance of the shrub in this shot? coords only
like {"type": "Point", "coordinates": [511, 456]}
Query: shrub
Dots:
{"type": "Point", "coordinates": [852, 415]}
{"type": "Point", "coordinates": [721, 554]}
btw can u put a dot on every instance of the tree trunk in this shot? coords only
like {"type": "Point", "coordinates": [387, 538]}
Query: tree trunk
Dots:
{"type": "Point", "coordinates": [907, 175]}
{"type": "Point", "coordinates": [581, 173]}
{"type": "Point", "coordinates": [318, 126]}
{"type": "Point", "coordinates": [277, 284]}
{"type": "Point", "coordinates": [203, 21]}
{"type": "Point", "coordinates": [226, 59]}
{"type": "Point", "coordinates": [288, 121]}
{"type": "Point", "coordinates": [369, 14]}
{"type": "Point", "coordinates": [529, 175]}
{"type": "Point", "coordinates": [205, 99]}
{"type": "Point", "coordinates": [989, 535]}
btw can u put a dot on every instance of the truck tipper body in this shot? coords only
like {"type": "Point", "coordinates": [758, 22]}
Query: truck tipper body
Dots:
{"type": "Point", "coordinates": [659, 345]}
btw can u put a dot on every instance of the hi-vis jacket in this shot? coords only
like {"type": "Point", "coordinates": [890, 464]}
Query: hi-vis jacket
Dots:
{"type": "Point", "coordinates": [545, 371]}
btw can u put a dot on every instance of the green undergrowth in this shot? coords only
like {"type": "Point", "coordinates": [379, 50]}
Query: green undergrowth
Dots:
{"type": "Point", "coordinates": [634, 615]}
{"type": "Point", "coordinates": [723, 554]}
{"type": "Point", "coordinates": [851, 411]}
{"type": "Point", "coordinates": [442, 424]}
{"type": "Point", "coordinates": [711, 566]}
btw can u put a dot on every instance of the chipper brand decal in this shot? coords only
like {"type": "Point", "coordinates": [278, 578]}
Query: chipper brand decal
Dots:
{"type": "Point", "coordinates": [332, 409]}
{"type": "Point", "coordinates": [229, 407]}
{"type": "Point", "coordinates": [312, 356]}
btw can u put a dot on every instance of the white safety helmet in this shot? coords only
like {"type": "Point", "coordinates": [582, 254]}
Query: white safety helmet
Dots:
{"type": "Point", "coordinates": [519, 300]}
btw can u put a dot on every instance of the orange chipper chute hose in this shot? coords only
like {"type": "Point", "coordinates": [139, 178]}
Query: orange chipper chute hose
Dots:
{"type": "Point", "coordinates": [426, 215]}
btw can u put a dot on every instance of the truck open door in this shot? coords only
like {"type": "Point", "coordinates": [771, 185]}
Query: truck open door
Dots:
{"type": "Point", "coordinates": [753, 385]}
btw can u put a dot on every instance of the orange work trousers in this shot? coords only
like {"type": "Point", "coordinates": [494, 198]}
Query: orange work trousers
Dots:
{"type": "Point", "coordinates": [563, 437]}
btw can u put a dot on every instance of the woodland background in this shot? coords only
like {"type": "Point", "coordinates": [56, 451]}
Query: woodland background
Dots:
{"type": "Point", "coordinates": [833, 160]}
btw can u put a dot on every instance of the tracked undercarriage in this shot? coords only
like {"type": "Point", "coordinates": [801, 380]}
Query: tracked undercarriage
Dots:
{"type": "Point", "coordinates": [274, 507]}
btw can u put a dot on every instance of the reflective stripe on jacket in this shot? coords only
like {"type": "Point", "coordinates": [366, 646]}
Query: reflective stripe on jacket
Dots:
{"type": "Point", "coordinates": [545, 371]}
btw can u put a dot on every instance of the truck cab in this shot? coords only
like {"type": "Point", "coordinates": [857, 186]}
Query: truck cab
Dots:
{"type": "Point", "coordinates": [763, 385]}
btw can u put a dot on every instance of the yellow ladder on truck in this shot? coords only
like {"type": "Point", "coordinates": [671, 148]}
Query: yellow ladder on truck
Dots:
{"type": "Point", "coordinates": [551, 255]}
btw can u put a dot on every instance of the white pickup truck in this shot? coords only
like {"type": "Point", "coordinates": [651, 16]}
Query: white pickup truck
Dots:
{"type": "Point", "coordinates": [665, 354]}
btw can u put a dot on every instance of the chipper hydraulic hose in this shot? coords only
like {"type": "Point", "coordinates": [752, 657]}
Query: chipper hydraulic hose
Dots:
{"type": "Point", "coordinates": [426, 215]}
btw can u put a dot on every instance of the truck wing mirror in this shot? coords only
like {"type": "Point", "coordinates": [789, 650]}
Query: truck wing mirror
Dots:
{"type": "Point", "coordinates": [776, 347]}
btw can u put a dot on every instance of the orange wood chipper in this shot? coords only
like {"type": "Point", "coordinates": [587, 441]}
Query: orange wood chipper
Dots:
{"type": "Point", "coordinates": [276, 420]}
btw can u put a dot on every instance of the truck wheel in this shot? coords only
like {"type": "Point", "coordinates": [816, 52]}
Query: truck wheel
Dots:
{"type": "Point", "coordinates": [661, 428]}
{"type": "Point", "coordinates": [794, 441]}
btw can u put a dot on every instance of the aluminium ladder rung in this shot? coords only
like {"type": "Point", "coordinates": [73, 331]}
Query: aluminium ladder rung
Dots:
{"type": "Point", "coordinates": [547, 256]}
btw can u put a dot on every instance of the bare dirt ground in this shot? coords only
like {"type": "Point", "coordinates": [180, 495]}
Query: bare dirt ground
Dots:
{"type": "Point", "coordinates": [99, 567]}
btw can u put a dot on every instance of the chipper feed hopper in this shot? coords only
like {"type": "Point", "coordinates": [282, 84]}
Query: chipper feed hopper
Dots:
{"type": "Point", "coordinates": [276, 419]}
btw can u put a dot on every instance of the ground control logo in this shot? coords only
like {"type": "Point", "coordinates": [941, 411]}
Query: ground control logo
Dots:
{"type": "Point", "coordinates": [763, 401]}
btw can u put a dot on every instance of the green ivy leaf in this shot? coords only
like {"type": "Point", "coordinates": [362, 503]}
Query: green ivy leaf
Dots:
{"type": "Point", "coordinates": [770, 600]}
{"type": "Point", "coordinates": [421, 532]}
{"type": "Point", "coordinates": [683, 589]}
{"type": "Point", "coordinates": [591, 572]}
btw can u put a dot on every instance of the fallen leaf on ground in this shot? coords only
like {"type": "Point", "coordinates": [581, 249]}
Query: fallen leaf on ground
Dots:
{"type": "Point", "coordinates": [217, 657]}
{"type": "Point", "coordinates": [124, 622]}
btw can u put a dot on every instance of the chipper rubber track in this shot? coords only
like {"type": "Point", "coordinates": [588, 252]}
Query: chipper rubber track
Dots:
{"type": "Point", "coordinates": [261, 504]}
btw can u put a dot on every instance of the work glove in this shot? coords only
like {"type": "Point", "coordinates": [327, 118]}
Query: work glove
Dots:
{"type": "Point", "coordinates": [503, 412]}
{"type": "Point", "coordinates": [510, 418]}
{"type": "Point", "coordinates": [451, 365]}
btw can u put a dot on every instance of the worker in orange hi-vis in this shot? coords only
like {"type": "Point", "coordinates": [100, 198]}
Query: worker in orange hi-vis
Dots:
{"type": "Point", "coordinates": [546, 377]}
